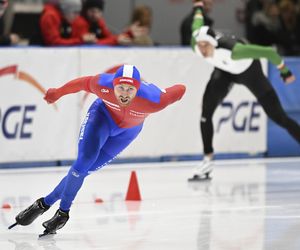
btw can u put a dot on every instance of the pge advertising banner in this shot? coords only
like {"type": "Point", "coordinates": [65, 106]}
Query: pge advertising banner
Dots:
{"type": "Point", "coordinates": [30, 129]}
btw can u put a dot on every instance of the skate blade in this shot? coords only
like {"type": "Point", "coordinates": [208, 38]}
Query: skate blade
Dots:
{"type": "Point", "coordinates": [199, 179]}
{"type": "Point", "coordinates": [46, 234]}
{"type": "Point", "coordinates": [13, 225]}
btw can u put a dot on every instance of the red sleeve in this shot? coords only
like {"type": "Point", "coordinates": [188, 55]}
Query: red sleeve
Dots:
{"type": "Point", "coordinates": [50, 25]}
{"type": "Point", "coordinates": [80, 27]}
{"type": "Point", "coordinates": [171, 95]}
{"type": "Point", "coordinates": [86, 83]}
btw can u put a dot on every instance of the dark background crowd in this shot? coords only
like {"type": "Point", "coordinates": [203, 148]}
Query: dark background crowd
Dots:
{"type": "Point", "coordinates": [81, 22]}
{"type": "Point", "coordinates": [75, 22]}
{"type": "Point", "coordinates": [274, 23]}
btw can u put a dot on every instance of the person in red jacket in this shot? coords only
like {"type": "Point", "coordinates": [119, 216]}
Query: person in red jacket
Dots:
{"type": "Point", "coordinates": [56, 23]}
{"type": "Point", "coordinates": [91, 22]}
{"type": "Point", "coordinates": [113, 121]}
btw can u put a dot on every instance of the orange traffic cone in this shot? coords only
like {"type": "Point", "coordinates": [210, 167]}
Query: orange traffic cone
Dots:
{"type": "Point", "coordinates": [133, 192]}
{"type": "Point", "coordinates": [6, 206]}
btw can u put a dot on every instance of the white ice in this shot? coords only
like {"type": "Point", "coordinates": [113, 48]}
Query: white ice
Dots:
{"type": "Point", "coordinates": [248, 205]}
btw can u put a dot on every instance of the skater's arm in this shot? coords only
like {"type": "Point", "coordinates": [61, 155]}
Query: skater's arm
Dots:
{"type": "Point", "coordinates": [170, 95]}
{"type": "Point", "coordinates": [198, 22]}
{"type": "Point", "coordinates": [244, 51]}
{"type": "Point", "coordinates": [86, 83]}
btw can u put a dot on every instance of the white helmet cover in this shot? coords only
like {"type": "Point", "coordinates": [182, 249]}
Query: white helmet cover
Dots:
{"type": "Point", "coordinates": [205, 34]}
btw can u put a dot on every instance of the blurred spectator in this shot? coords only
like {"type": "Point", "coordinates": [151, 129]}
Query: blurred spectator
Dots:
{"type": "Point", "coordinates": [10, 39]}
{"type": "Point", "coordinates": [140, 27]}
{"type": "Point", "coordinates": [56, 23]}
{"type": "Point", "coordinates": [91, 22]}
{"type": "Point", "coordinates": [252, 6]}
{"type": "Point", "coordinates": [186, 24]}
{"type": "Point", "coordinates": [266, 24]}
{"type": "Point", "coordinates": [289, 43]}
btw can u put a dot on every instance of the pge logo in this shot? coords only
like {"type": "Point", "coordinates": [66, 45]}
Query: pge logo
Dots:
{"type": "Point", "coordinates": [242, 116]}
{"type": "Point", "coordinates": [23, 117]}
{"type": "Point", "coordinates": [16, 119]}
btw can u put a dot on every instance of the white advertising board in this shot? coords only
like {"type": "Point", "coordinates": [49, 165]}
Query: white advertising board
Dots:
{"type": "Point", "coordinates": [32, 130]}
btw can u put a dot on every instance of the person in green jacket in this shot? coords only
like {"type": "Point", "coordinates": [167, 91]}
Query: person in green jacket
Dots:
{"type": "Point", "coordinates": [235, 62]}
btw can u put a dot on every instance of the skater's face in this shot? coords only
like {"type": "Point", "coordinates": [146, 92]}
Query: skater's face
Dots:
{"type": "Point", "coordinates": [125, 93]}
{"type": "Point", "coordinates": [206, 48]}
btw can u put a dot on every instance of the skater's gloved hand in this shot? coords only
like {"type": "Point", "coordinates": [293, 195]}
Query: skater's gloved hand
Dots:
{"type": "Point", "coordinates": [51, 95]}
{"type": "Point", "coordinates": [287, 76]}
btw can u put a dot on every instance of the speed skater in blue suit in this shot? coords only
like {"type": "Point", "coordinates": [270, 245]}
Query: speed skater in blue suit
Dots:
{"type": "Point", "coordinates": [112, 122]}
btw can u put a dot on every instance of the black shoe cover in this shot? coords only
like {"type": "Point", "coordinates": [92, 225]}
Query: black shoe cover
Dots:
{"type": "Point", "coordinates": [59, 219]}
{"type": "Point", "coordinates": [28, 215]}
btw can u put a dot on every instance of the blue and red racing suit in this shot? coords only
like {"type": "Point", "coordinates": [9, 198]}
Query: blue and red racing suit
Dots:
{"type": "Point", "coordinates": [108, 127]}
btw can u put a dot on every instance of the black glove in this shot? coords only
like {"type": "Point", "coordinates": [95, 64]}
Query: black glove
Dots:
{"type": "Point", "coordinates": [286, 74]}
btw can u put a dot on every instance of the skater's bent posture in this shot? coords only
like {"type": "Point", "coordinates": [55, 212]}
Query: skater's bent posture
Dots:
{"type": "Point", "coordinates": [112, 122]}
{"type": "Point", "coordinates": [235, 62]}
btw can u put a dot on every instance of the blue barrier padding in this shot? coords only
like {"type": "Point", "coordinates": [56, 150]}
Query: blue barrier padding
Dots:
{"type": "Point", "coordinates": [279, 142]}
{"type": "Point", "coordinates": [166, 158]}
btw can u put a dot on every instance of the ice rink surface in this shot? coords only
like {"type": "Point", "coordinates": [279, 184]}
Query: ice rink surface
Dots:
{"type": "Point", "coordinates": [248, 205]}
